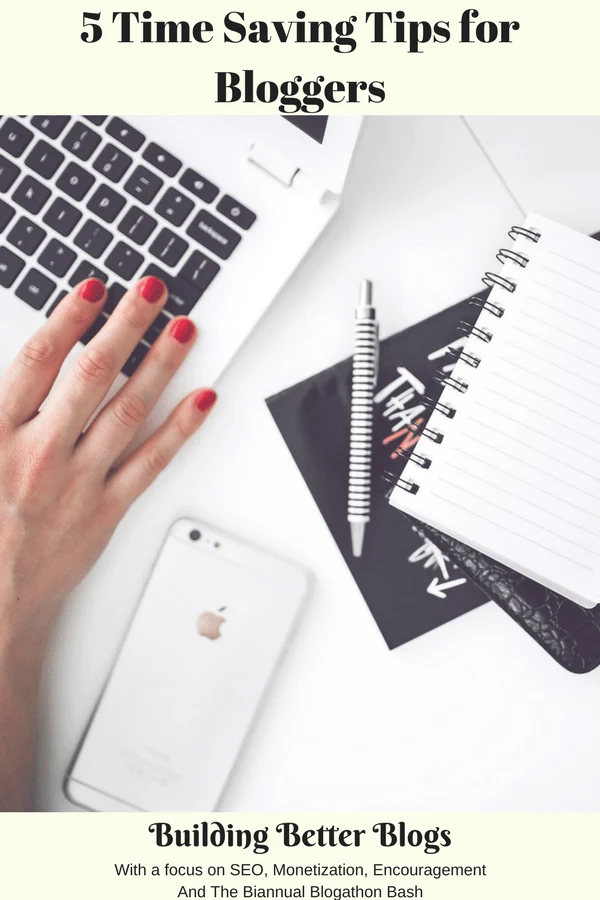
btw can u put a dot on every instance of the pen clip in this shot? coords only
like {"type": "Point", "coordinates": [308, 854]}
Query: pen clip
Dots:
{"type": "Point", "coordinates": [365, 311]}
{"type": "Point", "coordinates": [377, 357]}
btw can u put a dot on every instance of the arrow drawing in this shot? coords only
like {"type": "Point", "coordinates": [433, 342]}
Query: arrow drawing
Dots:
{"type": "Point", "coordinates": [439, 590]}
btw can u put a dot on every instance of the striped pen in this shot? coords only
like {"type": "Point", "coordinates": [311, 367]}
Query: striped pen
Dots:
{"type": "Point", "coordinates": [364, 378]}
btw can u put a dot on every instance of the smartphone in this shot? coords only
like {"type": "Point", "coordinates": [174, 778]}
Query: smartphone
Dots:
{"type": "Point", "coordinates": [209, 629]}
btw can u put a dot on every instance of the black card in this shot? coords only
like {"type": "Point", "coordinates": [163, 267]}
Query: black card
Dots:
{"type": "Point", "coordinates": [409, 586]}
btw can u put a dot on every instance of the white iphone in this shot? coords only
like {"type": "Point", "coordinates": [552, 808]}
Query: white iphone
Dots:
{"type": "Point", "coordinates": [212, 622]}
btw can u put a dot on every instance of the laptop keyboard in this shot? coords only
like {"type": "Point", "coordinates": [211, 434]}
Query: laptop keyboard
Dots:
{"type": "Point", "coordinates": [64, 179]}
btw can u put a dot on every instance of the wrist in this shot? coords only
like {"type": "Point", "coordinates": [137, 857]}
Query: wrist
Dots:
{"type": "Point", "coordinates": [20, 668]}
{"type": "Point", "coordinates": [24, 624]}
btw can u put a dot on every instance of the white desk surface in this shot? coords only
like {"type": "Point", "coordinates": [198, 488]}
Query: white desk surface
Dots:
{"type": "Point", "coordinates": [473, 716]}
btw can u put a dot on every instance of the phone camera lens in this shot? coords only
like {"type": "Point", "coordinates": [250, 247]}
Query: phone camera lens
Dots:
{"type": "Point", "coordinates": [195, 535]}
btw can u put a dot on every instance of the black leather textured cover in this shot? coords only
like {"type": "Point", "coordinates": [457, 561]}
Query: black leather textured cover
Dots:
{"type": "Point", "coordinates": [568, 632]}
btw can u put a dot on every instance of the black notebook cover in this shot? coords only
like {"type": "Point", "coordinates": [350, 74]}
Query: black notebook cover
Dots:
{"type": "Point", "coordinates": [568, 632]}
{"type": "Point", "coordinates": [408, 584]}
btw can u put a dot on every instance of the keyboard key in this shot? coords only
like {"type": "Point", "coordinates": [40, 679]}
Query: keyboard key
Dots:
{"type": "Point", "coordinates": [136, 358]}
{"type": "Point", "coordinates": [11, 266]}
{"type": "Point", "coordinates": [53, 306]}
{"type": "Point", "coordinates": [239, 214]}
{"type": "Point", "coordinates": [81, 140]}
{"type": "Point", "coordinates": [112, 163]}
{"type": "Point", "coordinates": [124, 261]}
{"type": "Point", "coordinates": [137, 225]}
{"type": "Point", "coordinates": [31, 195]}
{"type": "Point", "coordinates": [183, 295]}
{"type": "Point", "coordinates": [26, 236]}
{"type": "Point", "coordinates": [6, 214]}
{"type": "Point", "coordinates": [143, 185]}
{"type": "Point", "coordinates": [87, 270]}
{"type": "Point", "coordinates": [115, 292]}
{"type": "Point", "coordinates": [214, 234]}
{"type": "Point", "coordinates": [14, 137]}
{"type": "Point", "coordinates": [157, 327]}
{"type": "Point", "coordinates": [174, 207]}
{"type": "Point", "coordinates": [161, 160]}
{"type": "Point", "coordinates": [125, 134]}
{"type": "Point", "coordinates": [199, 270]}
{"type": "Point", "coordinates": [75, 181]}
{"type": "Point", "coordinates": [8, 174]}
{"type": "Point", "coordinates": [168, 247]}
{"type": "Point", "coordinates": [57, 258]}
{"type": "Point", "coordinates": [93, 238]}
{"type": "Point", "coordinates": [50, 125]}
{"type": "Point", "coordinates": [106, 203]}
{"type": "Point", "coordinates": [35, 289]}
{"type": "Point", "coordinates": [44, 159]}
{"type": "Point", "coordinates": [96, 120]}
{"type": "Point", "coordinates": [62, 217]}
{"type": "Point", "coordinates": [96, 326]}
{"type": "Point", "coordinates": [198, 185]}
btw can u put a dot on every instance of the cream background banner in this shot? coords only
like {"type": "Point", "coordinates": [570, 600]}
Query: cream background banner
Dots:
{"type": "Point", "coordinates": [550, 66]}
{"type": "Point", "coordinates": [58, 855]}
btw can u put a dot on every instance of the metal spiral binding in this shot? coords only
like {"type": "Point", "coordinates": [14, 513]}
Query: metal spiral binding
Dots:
{"type": "Point", "coordinates": [482, 333]}
{"type": "Point", "coordinates": [449, 381]}
{"type": "Point", "coordinates": [420, 460]}
{"type": "Point", "coordinates": [519, 259]}
{"type": "Point", "coordinates": [432, 434]}
{"type": "Point", "coordinates": [410, 486]}
{"type": "Point", "coordinates": [444, 408]}
{"type": "Point", "coordinates": [491, 280]}
{"type": "Point", "coordinates": [518, 231]}
{"type": "Point", "coordinates": [486, 304]}
{"type": "Point", "coordinates": [469, 358]}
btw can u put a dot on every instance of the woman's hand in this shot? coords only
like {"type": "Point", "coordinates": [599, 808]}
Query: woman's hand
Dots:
{"type": "Point", "coordinates": [62, 492]}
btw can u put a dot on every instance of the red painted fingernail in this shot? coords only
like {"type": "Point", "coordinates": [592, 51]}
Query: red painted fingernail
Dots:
{"type": "Point", "coordinates": [151, 289]}
{"type": "Point", "coordinates": [183, 330]}
{"type": "Point", "coordinates": [92, 290]}
{"type": "Point", "coordinates": [206, 399]}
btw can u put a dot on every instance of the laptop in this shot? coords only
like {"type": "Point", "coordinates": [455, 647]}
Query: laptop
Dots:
{"type": "Point", "coordinates": [223, 209]}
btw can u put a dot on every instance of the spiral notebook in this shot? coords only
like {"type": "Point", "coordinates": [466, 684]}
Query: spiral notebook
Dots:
{"type": "Point", "coordinates": [509, 462]}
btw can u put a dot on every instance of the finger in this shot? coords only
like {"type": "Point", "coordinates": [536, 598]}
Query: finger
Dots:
{"type": "Point", "coordinates": [113, 430]}
{"type": "Point", "coordinates": [138, 472]}
{"type": "Point", "coordinates": [29, 379]}
{"type": "Point", "coordinates": [85, 387]}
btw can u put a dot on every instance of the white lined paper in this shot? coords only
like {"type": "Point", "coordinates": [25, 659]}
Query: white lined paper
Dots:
{"type": "Point", "coordinates": [518, 473]}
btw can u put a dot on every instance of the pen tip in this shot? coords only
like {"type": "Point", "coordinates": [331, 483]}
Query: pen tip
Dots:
{"type": "Point", "coordinates": [357, 533]}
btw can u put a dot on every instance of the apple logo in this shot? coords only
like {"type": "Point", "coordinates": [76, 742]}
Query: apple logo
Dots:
{"type": "Point", "coordinates": [209, 624]}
